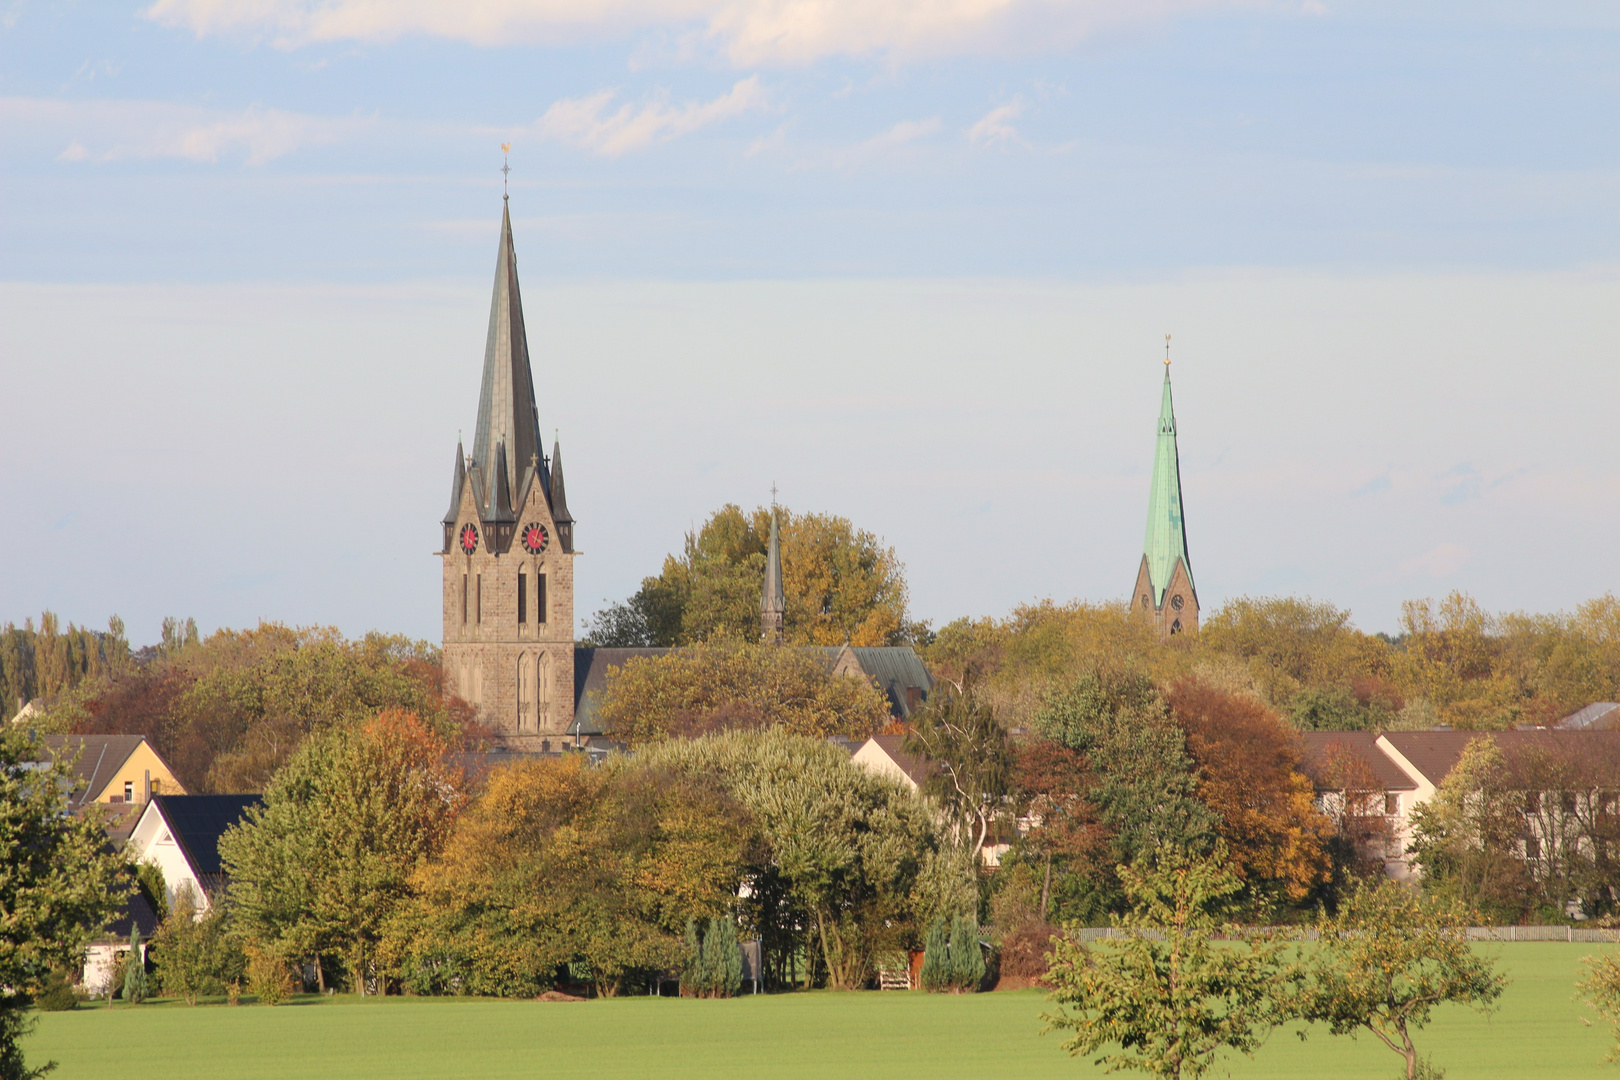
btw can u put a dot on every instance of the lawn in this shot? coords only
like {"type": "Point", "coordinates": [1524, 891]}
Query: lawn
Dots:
{"type": "Point", "coordinates": [1537, 1033]}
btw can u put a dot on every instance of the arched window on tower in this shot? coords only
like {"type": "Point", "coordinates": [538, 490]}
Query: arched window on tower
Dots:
{"type": "Point", "coordinates": [523, 597]}
{"type": "Point", "coordinates": [1175, 627]}
{"type": "Point", "coordinates": [540, 597]}
{"type": "Point", "coordinates": [525, 693]}
{"type": "Point", "coordinates": [543, 687]}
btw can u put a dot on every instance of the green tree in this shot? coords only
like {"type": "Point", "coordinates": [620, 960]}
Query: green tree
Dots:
{"type": "Point", "coordinates": [971, 759]}
{"type": "Point", "coordinates": [1466, 839]}
{"type": "Point", "coordinates": [936, 965]}
{"type": "Point", "coordinates": [193, 954]}
{"type": "Point", "coordinates": [967, 958]}
{"type": "Point", "coordinates": [1144, 789]}
{"type": "Point", "coordinates": [58, 887]}
{"type": "Point", "coordinates": [136, 984]}
{"type": "Point", "coordinates": [1601, 985]}
{"type": "Point", "coordinates": [722, 958]}
{"type": "Point", "coordinates": [1167, 995]}
{"type": "Point", "coordinates": [841, 584]}
{"type": "Point", "coordinates": [323, 863]}
{"type": "Point", "coordinates": [1387, 959]}
{"type": "Point", "coordinates": [708, 688]}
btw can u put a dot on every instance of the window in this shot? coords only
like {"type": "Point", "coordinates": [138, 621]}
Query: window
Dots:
{"type": "Point", "coordinates": [129, 791]}
{"type": "Point", "coordinates": [1532, 847]}
{"type": "Point", "coordinates": [540, 598]}
{"type": "Point", "coordinates": [1175, 627]}
{"type": "Point", "coordinates": [479, 588]}
{"type": "Point", "coordinates": [1532, 802]}
{"type": "Point", "coordinates": [523, 597]}
{"type": "Point", "coordinates": [157, 786]}
{"type": "Point", "coordinates": [463, 599]}
{"type": "Point", "coordinates": [1566, 801]}
{"type": "Point", "coordinates": [1392, 804]}
{"type": "Point", "coordinates": [525, 692]}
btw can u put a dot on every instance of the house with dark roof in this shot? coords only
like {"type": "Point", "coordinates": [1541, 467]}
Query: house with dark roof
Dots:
{"type": "Point", "coordinates": [114, 770]}
{"type": "Point", "coordinates": [180, 834]}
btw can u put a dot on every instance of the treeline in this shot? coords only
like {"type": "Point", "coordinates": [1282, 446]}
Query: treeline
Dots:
{"type": "Point", "coordinates": [374, 865]}
{"type": "Point", "coordinates": [49, 661]}
{"type": "Point", "coordinates": [1452, 663]}
{"type": "Point", "coordinates": [228, 710]}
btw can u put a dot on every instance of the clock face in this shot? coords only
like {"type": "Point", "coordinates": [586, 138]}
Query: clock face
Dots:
{"type": "Point", "coordinates": [535, 538]}
{"type": "Point", "coordinates": [469, 538]}
{"type": "Point", "coordinates": [1176, 601]}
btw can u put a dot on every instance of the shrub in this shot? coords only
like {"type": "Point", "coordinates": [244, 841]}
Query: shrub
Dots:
{"type": "Point", "coordinates": [1024, 950]}
{"type": "Point", "coordinates": [967, 958]}
{"type": "Point", "coordinates": [57, 995]}
{"type": "Point", "coordinates": [135, 984]}
{"type": "Point", "coordinates": [269, 977]}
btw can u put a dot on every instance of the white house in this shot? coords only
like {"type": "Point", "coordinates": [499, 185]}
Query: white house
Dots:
{"type": "Point", "coordinates": [180, 835]}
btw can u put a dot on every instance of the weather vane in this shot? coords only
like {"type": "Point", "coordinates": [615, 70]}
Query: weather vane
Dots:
{"type": "Point", "coordinates": [1167, 350]}
{"type": "Point", "coordinates": [506, 167]}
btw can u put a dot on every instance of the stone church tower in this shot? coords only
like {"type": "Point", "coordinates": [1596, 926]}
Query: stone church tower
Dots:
{"type": "Point", "coordinates": [509, 544]}
{"type": "Point", "coordinates": [1165, 594]}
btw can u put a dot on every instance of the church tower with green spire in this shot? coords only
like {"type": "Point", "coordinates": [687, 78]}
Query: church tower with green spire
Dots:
{"type": "Point", "coordinates": [1165, 594]}
{"type": "Point", "coordinates": [509, 544]}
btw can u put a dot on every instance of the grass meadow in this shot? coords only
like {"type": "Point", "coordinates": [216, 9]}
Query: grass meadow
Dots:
{"type": "Point", "coordinates": [1538, 1032]}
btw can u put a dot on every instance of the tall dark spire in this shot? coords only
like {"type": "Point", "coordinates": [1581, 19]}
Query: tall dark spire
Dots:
{"type": "Point", "coordinates": [507, 418]}
{"type": "Point", "coordinates": [772, 602]}
{"type": "Point", "coordinates": [559, 500]}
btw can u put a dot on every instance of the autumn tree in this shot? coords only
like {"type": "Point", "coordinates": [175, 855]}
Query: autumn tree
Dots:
{"type": "Point", "coordinates": [1248, 772]}
{"type": "Point", "coordinates": [321, 865]}
{"type": "Point", "coordinates": [557, 863]}
{"type": "Point", "coordinates": [841, 584]}
{"type": "Point", "coordinates": [705, 688]}
{"type": "Point", "coordinates": [1167, 999]}
{"type": "Point", "coordinates": [193, 954]}
{"type": "Point", "coordinates": [1387, 959]}
{"type": "Point", "coordinates": [1466, 839]}
{"type": "Point", "coordinates": [59, 886]}
{"type": "Point", "coordinates": [1050, 788]}
{"type": "Point", "coordinates": [970, 760]}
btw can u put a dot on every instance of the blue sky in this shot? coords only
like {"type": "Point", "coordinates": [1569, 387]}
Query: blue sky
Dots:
{"type": "Point", "coordinates": [911, 261]}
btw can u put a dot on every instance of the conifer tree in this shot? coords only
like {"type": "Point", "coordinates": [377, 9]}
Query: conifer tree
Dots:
{"type": "Point", "coordinates": [135, 987]}
{"type": "Point", "coordinates": [722, 958]}
{"type": "Point", "coordinates": [936, 966]}
{"type": "Point", "coordinates": [694, 973]}
{"type": "Point", "coordinates": [967, 959]}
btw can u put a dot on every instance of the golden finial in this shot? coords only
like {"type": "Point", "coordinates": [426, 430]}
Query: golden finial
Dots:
{"type": "Point", "coordinates": [1167, 350]}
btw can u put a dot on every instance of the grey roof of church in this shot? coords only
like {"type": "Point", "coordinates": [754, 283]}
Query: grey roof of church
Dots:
{"type": "Point", "coordinates": [507, 433]}
{"type": "Point", "coordinates": [894, 667]}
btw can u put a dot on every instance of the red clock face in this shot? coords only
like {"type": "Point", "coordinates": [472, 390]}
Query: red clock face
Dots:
{"type": "Point", "coordinates": [535, 538]}
{"type": "Point", "coordinates": [469, 538]}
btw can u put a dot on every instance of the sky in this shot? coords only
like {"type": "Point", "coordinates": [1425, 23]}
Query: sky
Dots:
{"type": "Point", "coordinates": [911, 262]}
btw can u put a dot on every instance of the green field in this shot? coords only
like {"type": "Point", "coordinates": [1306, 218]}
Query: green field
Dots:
{"type": "Point", "coordinates": [1537, 1033]}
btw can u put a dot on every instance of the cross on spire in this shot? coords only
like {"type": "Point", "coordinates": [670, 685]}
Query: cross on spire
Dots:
{"type": "Point", "coordinates": [773, 492]}
{"type": "Point", "coordinates": [506, 166]}
{"type": "Point", "coordinates": [1167, 350]}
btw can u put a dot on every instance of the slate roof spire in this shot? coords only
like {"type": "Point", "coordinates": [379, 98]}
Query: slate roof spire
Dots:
{"type": "Point", "coordinates": [508, 425]}
{"type": "Point", "coordinates": [1166, 540]}
{"type": "Point", "coordinates": [772, 602]}
{"type": "Point", "coordinates": [456, 484]}
{"type": "Point", "coordinates": [559, 499]}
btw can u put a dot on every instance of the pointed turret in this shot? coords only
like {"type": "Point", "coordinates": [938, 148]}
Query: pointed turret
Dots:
{"type": "Point", "coordinates": [559, 500]}
{"type": "Point", "coordinates": [1165, 582]}
{"type": "Point", "coordinates": [500, 499]}
{"type": "Point", "coordinates": [458, 481]}
{"type": "Point", "coordinates": [772, 602]}
{"type": "Point", "coordinates": [507, 419]}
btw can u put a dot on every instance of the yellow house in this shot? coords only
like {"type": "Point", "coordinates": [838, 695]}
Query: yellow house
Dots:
{"type": "Point", "coordinates": [116, 770]}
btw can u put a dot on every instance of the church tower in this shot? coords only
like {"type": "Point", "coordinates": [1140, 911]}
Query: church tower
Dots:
{"type": "Point", "coordinates": [1164, 592]}
{"type": "Point", "coordinates": [509, 543]}
{"type": "Point", "coordinates": [772, 601]}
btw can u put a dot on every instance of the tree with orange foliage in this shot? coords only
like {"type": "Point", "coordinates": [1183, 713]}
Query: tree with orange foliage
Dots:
{"type": "Point", "coordinates": [1248, 774]}
{"type": "Point", "coordinates": [319, 867]}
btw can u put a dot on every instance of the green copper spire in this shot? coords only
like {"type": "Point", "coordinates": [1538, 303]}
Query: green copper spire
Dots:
{"type": "Point", "coordinates": [1166, 531]}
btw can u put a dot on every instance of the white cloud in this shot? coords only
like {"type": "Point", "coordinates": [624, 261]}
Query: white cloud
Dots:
{"type": "Point", "coordinates": [901, 134]}
{"type": "Point", "coordinates": [102, 130]}
{"type": "Point", "coordinates": [748, 31]}
{"type": "Point", "coordinates": [996, 125]}
{"type": "Point", "coordinates": [587, 122]}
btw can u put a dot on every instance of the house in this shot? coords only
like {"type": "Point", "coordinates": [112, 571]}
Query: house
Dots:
{"type": "Point", "coordinates": [101, 954]}
{"type": "Point", "coordinates": [180, 833]}
{"type": "Point", "coordinates": [886, 755]}
{"type": "Point", "coordinates": [1598, 716]}
{"type": "Point", "coordinates": [1381, 779]}
{"type": "Point", "coordinates": [115, 770]}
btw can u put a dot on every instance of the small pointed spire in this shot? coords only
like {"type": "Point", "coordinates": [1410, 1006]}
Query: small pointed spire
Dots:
{"type": "Point", "coordinates": [772, 601]}
{"type": "Point", "coordinates": [458, 481]}
{"type": "Point", "coordinates": [559, 500]}
{"type": "Point", "coordinates": [500, 497]}
{"type": "Point", "coordinates": [1165, 543]}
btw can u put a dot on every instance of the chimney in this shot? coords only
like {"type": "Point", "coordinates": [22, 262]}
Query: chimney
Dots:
{"type": "Point", "coordinates": [146, 787]}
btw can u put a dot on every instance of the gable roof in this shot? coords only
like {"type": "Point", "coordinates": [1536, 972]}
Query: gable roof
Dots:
{"type": "Point", "coordinates": [99, 758]}
{"type": "Point", "coordinates": [1599, 714]}
{"type": "Point", "coordinates": [915, 766]}
{"type": "Point", "coordinates": [590, 679]}
{"type": "Point", "coordinates": [197, 822]}
{"type": "Point", "coordinates": [1319, 749]}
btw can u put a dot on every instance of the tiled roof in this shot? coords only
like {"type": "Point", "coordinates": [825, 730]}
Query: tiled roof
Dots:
{"type": "Point", "coordinates": [1320, 748]}
{"type": "Point", "coordinates": [1599, 714]}
{"type": "Point", "coordinates": [198, 821]}
{"type": "Point", "coordinates": [913, 765]}
{"type": "Point", "coordinates": [99, 761]}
